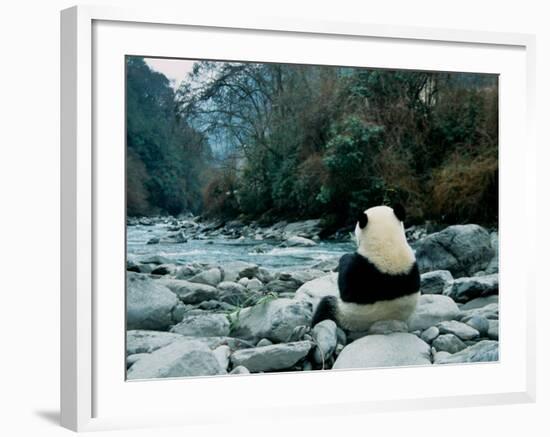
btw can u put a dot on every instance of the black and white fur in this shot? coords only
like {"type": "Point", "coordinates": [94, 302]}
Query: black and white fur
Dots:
{"type": "Point", "coordinates": [378, 282]}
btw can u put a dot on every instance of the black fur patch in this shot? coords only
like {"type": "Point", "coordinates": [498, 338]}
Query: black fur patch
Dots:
{"type": "Point", "coordinates": [363, 220]}
{"type": "Point", "coordinates": [361, 282]}
{"type": "Point", "coordinates": [325, 310]}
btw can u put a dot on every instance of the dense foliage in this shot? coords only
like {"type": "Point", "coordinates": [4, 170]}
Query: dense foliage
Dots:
{"type": "Point", "coordinates": [293, 141]}
{"type": "Point", "coordinates": [166, 159]}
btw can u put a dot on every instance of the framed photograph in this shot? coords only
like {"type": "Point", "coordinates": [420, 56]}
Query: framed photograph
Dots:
{"type": "Point", "coordinates": [295, 218]}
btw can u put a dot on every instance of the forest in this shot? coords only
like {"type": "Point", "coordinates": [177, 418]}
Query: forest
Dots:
{"type": "Point", "coordinates": [266, 142]}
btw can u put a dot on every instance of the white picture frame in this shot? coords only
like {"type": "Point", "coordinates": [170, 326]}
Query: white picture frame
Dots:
{"type": "Point", "coordinates": [92, 41]}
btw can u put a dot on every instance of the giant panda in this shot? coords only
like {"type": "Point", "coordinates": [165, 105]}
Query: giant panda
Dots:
{"type": "Point", "coordinates": [380, 281]}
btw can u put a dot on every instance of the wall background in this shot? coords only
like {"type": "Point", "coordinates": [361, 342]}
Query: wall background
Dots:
{"type": "Point", "coordinates": [29, 214]}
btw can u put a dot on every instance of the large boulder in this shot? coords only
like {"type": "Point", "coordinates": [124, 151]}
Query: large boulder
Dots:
{"type": "Point", "coordinates": [398, 349]}
{"type": "Point", "coordinates": [148, 304]}
{"type": "Point", "coordinates": [272, 357]}
{"type": "Point", "coordinates": [203, 325]}
{"type": "Point", "coordinates": [432, 309]}
{"type": "Point", "coordinates": [461, 249]}
{"type": "Point", "coordinates": [315, 290]}
{"type": "Point", "coordinates": [465, 289]}
{"type": "Point", "coordinates": [181, 358]}
{"type": "Point", "coordinates": [190, 292]}
{"type": "Point", "coordinates": [483, 351]}
{"type": "Point", "coordinates": [273, 319]}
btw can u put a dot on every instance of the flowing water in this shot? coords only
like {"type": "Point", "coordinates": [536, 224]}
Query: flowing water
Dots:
{"type": "Point", "coordinates": [219, 250]}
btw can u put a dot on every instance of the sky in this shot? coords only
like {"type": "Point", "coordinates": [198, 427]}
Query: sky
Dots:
{"type": "Point", "coordinates": [174, 69]}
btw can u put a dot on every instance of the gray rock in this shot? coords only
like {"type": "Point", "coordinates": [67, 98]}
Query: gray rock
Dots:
{"type": "Point", "coordinates": [204, 325]}
{"type": "Point", "coordinates": [187, 271]}
{"type": "Point", "coordinates": [148, 304]}
{"type": "Point", "coordinates": [398, 349]}
{"type": "Point", "coordinates": [274, 357]}
{"type": "Point", "coordinates": [493, 266]}
{"type": "Point", "coordinates": [243, 281]}
{"type": "Point", "coordinates": [432, 309]}
{"type": "Point", "coordinates": [254, 284]}
{"type": "Point", "coordinates": [303, 276]}
{"type": "Point", "coordinates": [209, 277]}
{"type": "Point", "coordinates": [493, 330]}
{"type": "Point", "coordinates": [190, 292]}
{"type": "Point", "coordinates": [281, 286]}
{"type": "Point", "coordinates": [435, 282]}
{"type": "Point", "coordinates": [465, 289]}
{"type": "Point", "coordinates": [314, 291]}
{"type": "Point", "coordinates": [175, 238]}
{"type": "Point", "coordinates": [328, 265]}
{"type": "Point", "coordinates": [264, 275]}
{"type": "Point", "coordinates": [484, 351]}
{"type": "Point", "coordinates": [213, 305]}
{"type": "Point", "coordinates": [480, 323]}
{"type": "Point", "coordinates": [325, 339]}
{"type": "Point", "coordinates": [132, 359]}
{"type": "Point", "coordinates": [461, 330]}
{"type": "Point", "coordinates": [480, 302]}
{"type": "Point", "coordinates": [232, 292]}
{"type": "Point", "coordinates": [387, 327]}
{"type": "Point", "coordinates": [141, 341]}
{"type": "Point", "coordinates": [264, 342]}
{"type": "Point", "coordinates": [440, 357]}
{"type": "Point", "coordinates": [234, 270]}
{"type": "Point", "coordinates": [448, 343]}
{"type": "Point", "coordinates": [461, 249]}
{"type": "Point", "coordinates": [274, 319]}
{"type": "Point", "coordinates": [490, 312]}
{"type": "Point", "coordinates": [181, 358]}
{"type": "Point", "coordinates": [164, 269]}
{"type": "Point", "coordinates": [430, 334]}
{"type": "Point", "coordinates": [298, 242]}
{"type": "Point", "coordinates": [222, 354]}
{"type": "Point", "coordinates": [240, 370]}
{"type": "Point", "coordinates": [307, 228]}
{"type": "Point", "coordinates": [299, 333]}
{"type": "Point", "coordinates": [155, 259]}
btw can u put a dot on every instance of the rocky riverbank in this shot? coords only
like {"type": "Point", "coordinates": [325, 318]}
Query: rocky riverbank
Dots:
{"type": "Point", "coordinates": [189, 318]}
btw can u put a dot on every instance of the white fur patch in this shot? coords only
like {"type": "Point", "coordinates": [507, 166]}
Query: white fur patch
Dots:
{"type": "Point", "coordinates": [357, 317]}
{"type": "Point", "coordinates": [383, 241]}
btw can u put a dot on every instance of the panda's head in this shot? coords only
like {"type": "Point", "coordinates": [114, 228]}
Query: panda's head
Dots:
{"type": "Point", "coordinates": [380, 235]}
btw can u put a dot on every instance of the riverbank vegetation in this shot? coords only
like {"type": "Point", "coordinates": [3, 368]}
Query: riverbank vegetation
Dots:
{"type": "Point", "coordinates": [278, 141]}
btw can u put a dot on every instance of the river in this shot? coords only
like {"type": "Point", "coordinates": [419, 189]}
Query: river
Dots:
{"type": "Point", "coordinates": [219, 250]}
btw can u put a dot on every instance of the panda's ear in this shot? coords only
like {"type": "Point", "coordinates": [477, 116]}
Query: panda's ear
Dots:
{"type": "Point", "coordinates": [363, 220]}
{"type": "Point", "coordinates": [399, 212]}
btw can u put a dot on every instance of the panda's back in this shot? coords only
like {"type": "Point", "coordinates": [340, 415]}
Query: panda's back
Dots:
{"type": "Point", "coordinates": [361, 282]}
